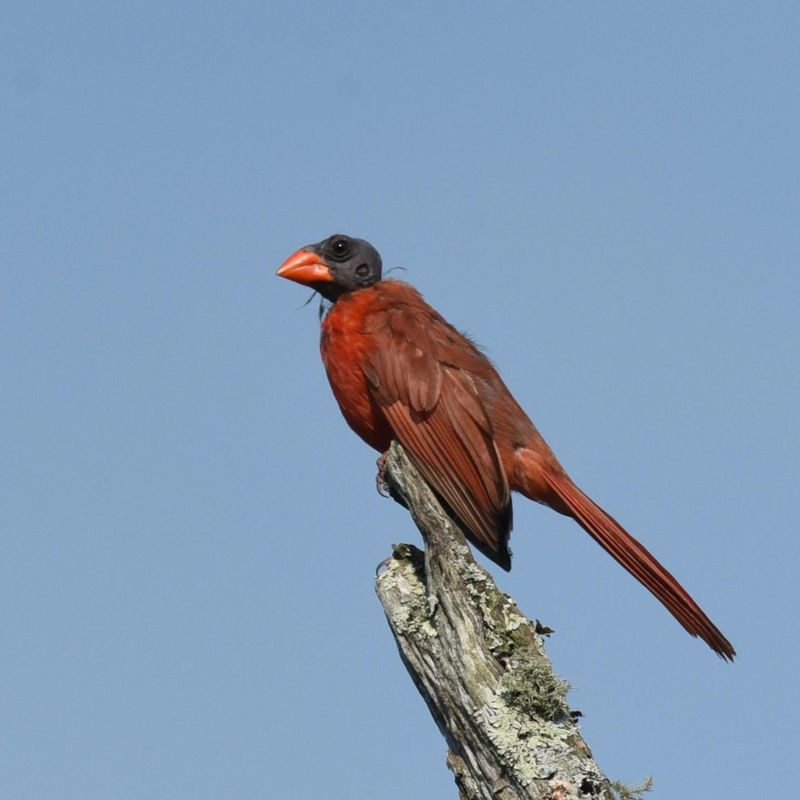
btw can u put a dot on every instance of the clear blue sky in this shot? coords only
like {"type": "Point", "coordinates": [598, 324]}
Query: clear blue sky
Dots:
{"type": "Point", "coordinates": [604, 195]}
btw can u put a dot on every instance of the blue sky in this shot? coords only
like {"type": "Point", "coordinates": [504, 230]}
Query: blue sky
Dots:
{"type": "Point", "coordinates": [605, 196]}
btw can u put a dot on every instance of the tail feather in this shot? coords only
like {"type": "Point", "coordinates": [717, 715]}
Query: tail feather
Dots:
{"type": "Point", "coordinates": [613, 538]}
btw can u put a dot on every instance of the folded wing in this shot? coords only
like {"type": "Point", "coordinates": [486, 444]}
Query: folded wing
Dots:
{"type": "Point", "coordinates": [437, 415]}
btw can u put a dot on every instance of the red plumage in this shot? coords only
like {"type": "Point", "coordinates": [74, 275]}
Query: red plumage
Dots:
{"type": "Point", "coordinates": [399, 371]}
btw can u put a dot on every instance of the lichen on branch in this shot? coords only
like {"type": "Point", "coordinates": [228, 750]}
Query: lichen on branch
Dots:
{"type": "Point", "coordinates": [479, 663]}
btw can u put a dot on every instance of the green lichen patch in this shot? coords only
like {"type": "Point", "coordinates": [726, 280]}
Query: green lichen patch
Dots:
{"type": "Point", "coordinates": [532, 751]}
{"type": "Point", "coordinates": [404, 578]}
{"type": "Point", "coordinates": [532, 688]}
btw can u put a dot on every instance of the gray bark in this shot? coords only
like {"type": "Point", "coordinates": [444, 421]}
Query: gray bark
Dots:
{"type": "Point", "coordinates": [479, 663]}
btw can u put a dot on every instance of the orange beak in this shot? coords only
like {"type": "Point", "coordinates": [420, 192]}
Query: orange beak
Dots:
{"type": "Point", "coordinates": [305, 267]}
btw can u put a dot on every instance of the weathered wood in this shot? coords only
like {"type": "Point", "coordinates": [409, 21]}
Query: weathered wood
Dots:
{"type": "Point", "coordinates": [479, 664]}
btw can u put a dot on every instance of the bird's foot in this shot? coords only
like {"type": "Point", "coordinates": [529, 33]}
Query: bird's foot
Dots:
{"type": "Point", "coordinates": [382, 485]}
{"type": "Point", "coordinates": [383, 566]}
{"type": "Point", "coordinates": [380, 479]}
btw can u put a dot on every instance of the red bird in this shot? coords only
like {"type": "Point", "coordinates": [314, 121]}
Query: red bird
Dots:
{"type": "Point", "coordinates": [400, 371]}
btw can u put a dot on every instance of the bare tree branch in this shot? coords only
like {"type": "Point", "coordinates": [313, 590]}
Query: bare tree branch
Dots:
{"type": "Point", "coordinates": [479, 664]}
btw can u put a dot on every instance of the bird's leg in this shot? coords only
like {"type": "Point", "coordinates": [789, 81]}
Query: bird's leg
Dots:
{"type": "Point", "coordinates": [385, 489]}
{"type": "Point", "coordinates": [380, 478]}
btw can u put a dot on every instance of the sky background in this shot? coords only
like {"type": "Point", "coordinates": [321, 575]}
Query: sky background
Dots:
{"type": "Point", "coordinates": [604, 195]}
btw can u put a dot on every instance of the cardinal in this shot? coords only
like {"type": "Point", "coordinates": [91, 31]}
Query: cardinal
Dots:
{"type": "Point", "coordinates": [400, 371]}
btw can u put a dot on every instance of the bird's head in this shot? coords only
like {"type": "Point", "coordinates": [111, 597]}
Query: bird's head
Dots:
{"type": "Point", "coordinates": [334, 266]}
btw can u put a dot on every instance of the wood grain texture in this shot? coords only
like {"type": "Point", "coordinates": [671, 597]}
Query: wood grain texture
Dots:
{"type": "Point", "coordinates": [479, 664]}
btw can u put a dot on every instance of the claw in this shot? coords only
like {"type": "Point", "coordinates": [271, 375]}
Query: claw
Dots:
{"type": "Point", "coordinates": [383, 566]}
{"type": "Point", "coordinates": [380, 481]}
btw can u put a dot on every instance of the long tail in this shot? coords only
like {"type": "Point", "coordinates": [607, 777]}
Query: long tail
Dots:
{"type": "Point", "coordinates": [616, 541]}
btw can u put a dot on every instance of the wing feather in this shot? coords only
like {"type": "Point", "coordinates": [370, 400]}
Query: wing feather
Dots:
{"type": "Point", "coordinates": [437, 415]}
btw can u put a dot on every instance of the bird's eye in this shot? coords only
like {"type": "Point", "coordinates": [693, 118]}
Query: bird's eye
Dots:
{"type": "Point", "coordinates": [340, 248]}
